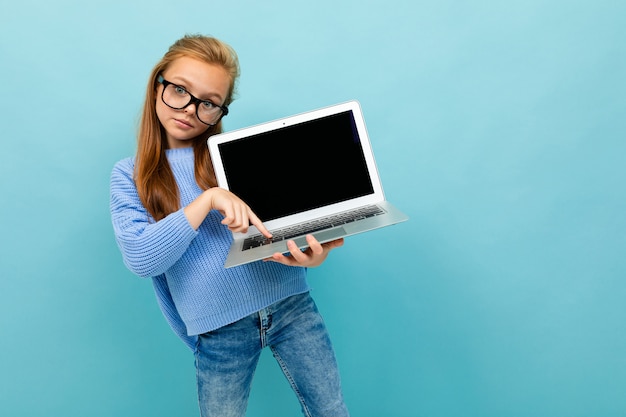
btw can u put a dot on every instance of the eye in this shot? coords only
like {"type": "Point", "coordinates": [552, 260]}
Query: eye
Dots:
{"type": "Point", "coordinates": [180, 90]}
{"type": "Point", "coordinates": [208, 105]}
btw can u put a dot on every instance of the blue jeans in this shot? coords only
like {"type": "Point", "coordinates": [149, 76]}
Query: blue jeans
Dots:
{"type": "Point", "coordinates": [295, 332]}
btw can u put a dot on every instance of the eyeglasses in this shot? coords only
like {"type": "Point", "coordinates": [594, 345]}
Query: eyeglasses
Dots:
{"type": "Point", "coordinates": [178, 98]}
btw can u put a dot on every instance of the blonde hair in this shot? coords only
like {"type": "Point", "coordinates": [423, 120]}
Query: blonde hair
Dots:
{"type": "Point", "coordinates": [153, 176]}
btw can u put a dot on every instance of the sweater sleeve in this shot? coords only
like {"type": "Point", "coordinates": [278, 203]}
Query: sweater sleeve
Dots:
{"type": "Point", "coordinates": [168, 308]}
{"type": "Point", "coordinates": [148, 248]}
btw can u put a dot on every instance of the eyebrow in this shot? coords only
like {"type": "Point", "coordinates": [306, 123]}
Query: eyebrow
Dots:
{"type": "Point", "coordinates": [177, 79]}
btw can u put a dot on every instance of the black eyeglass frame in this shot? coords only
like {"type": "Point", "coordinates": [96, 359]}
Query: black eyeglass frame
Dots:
{"type": "Point", "coordinates": [192, 99]}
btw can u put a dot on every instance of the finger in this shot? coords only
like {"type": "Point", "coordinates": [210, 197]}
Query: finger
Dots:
{"type": "Point", "coordinates": [296, 253]}
{"type": "Point", "coordinates": [314, 245]}
{"type": "Point", "coordinates": [333, 244]}
{"type": "Point", "coordinates": [235, 217]}
{"type": "Point", "coordinates": [258, 223]}
{"type": "Point", "coordinates": [280, 258]}
{"type": "Point", "coordinates": [242, 219]}
{"type": "Point", "coordinates": [228, 213]}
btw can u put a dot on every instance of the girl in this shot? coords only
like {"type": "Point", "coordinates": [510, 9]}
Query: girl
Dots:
{"type": "Point", "coordinates": [172, 223]}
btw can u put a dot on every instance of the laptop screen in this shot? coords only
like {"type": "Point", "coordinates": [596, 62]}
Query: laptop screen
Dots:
{"type": "Point", "coordinates": [299, 167]}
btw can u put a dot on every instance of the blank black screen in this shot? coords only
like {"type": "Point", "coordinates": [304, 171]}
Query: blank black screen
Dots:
{"type": "Point", "coordinates": [299, 167]}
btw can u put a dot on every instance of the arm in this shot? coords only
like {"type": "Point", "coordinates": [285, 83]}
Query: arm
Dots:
{"type": "Point", "coordinates": [237, 215]}
{"type": "Point", "coordinates": [148, 248]}
{"type": "Point", "coordinates": [164, 297]}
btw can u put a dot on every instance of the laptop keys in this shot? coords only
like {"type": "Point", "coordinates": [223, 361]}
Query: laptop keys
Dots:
{"type": "Point", "coordinates": [312, 226]}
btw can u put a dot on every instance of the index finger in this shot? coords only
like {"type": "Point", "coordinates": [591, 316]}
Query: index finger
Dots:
{"type": "Point", "coordinates": [258, 223]}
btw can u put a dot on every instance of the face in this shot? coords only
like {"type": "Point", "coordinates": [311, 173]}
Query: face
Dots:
{"type": "Point", "coordinates": [204, 81]}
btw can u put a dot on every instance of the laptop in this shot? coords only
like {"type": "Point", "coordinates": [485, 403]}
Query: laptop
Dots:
{"type": "Point", "coordinates": [309, 173]}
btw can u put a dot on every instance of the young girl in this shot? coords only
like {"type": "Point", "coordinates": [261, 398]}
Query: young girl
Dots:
{"type": "Point", "coordinates": [172, 223]}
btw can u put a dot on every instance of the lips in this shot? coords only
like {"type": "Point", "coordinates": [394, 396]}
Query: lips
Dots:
{"type": "Point", "coordinates": [183, 123]}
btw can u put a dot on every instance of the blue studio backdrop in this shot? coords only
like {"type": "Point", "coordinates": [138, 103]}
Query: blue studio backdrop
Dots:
{"type": "Point", "coordinates": [499, 127]}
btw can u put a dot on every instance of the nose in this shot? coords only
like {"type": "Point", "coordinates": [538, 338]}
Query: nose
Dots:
{"type": "Point", "coordinates": [191, 110]}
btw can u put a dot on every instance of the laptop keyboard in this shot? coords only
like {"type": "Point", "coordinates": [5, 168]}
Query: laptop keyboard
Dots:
{"type": "Point", "coordinates": [312, 226]}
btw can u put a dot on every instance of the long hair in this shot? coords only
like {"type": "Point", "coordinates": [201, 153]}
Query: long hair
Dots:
{"type": "Point", "coordinates": [153, 175]}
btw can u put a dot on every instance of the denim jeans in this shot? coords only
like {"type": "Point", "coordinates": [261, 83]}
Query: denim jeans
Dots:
{"type": "Point", "coordinates": [295, 332]}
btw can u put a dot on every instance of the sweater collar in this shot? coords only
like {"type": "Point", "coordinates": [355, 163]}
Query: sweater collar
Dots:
{"type": "Point", "coordinates": [179, 153]}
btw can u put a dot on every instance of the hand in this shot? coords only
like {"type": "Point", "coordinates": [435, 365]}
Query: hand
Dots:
{"type": "Point", "coordinates": [237, 215]}
{"type": "Point", "coordinates": [313, 256]}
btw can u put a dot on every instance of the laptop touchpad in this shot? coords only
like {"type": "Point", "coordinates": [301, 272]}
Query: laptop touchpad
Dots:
{"type": "Point", "coordinates": [322, 236]}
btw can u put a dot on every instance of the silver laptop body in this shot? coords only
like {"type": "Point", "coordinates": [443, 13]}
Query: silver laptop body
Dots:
{"type": "Point", "coordinates": [309, 173]}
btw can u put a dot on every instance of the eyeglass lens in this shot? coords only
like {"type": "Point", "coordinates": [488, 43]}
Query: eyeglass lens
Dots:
{"type": "Point", "coordinates": [179, 98]}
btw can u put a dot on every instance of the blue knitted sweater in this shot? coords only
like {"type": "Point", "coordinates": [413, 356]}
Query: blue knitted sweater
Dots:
{"type": "Point", "coordinates": [195, 292]}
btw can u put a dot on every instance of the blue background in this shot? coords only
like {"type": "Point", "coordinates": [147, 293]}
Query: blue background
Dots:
{"type": "Point", "coordinates": [499, 127]}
